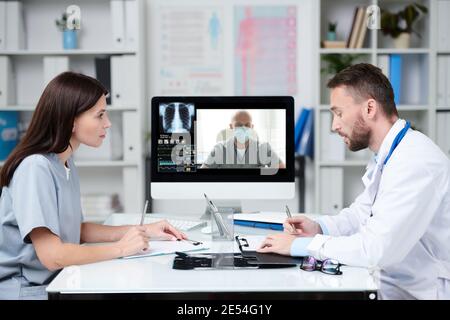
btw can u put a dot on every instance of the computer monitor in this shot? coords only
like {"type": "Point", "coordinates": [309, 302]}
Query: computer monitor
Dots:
{"type": "Point", "coordinates": [226, 147]}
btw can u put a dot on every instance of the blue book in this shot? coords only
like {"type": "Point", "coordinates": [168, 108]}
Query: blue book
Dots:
{"type": "Point", "coordinates": [395, 76]}
{"type": "Point", "coordinates": [306, 147]}
{"type": "Point", "coordinates": [256, 224]}
{"type": "Point", "coordinates": [9, 133]}
{"type": "Point", "coordinates": [299, 127]}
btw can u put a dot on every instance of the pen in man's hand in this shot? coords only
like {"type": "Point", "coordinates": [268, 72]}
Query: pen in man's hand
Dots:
{"type": "Point", "coordinates": [143, 213]}
{"type": "Point", "coordinates": [288, 213]}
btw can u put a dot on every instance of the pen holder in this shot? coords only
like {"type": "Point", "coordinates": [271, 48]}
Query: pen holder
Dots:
{"type": "Point", "coordinates": [222, 225]}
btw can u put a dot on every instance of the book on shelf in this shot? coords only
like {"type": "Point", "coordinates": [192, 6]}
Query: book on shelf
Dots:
{"type": "Point", "coordinates": [443, 25]}
{"type": "Point", "coordinates": [7, 88]}
{"type": "Point", "coordinates": [130, 125]}
{"type": "Point", "coordinates": [331, 180]}
{"type": "Point", "coordinates": [2, 25]}
{"type": "Point", "coordinates": [391, 65]}
{"type": "Point", "coordinates": [333, 44]}
{"type": "Point", "coordinates": [53, 66]}
{"type": "Point", "coordinates": [332, 147]}
{"type": "Point", "coordinates": [12, 28]}
{"type": "Point", "coordinates": [443, 81]}
{"type": "Point", "coordinates": [362, 29]}
{"type": "Point", "coordinates": [9, 133]}
{"type": "Point", "coordinates": [305, 145]}
{"type": "Point", "coordinates": [117, 9]}
{"type": "Point", "coordinates": [131, 24]}
{"type": "Point", "coordinates": [124, 23]}
{"type": "Point", "coordinates": [124, 84]}
{"type": "Point", "coordinates": [395, 76]}
{"type": "Point", "coordinates": [443, 131]}
{"type": "Point", "coordinates": [299, 126]}
{"type": "Point", "coordinates": [358, 30]}
{"type": "Point", "coordinates": [383, 63]}
{"type": "Point", "coordinates": [103, 74]}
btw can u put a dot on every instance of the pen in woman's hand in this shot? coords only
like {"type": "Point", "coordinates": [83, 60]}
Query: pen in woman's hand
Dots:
{"type": "Point", "coordinates": [143, 213]}
{"type": "Point", "coordinates": [195, 243]}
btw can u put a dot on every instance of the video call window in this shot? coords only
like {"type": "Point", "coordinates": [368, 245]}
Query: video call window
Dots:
{"type": "Point", "coordinates": [192, 140]}
{"type": "Point", "coordinates": [266, 131]}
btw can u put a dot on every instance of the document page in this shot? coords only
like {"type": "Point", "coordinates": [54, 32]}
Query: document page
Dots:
{"type": "Point", "coordinates": [160, 247]}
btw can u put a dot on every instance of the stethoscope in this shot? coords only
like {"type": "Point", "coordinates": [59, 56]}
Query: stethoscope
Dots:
{"type": "Point", "coordinates": [395, 143]}
{"type": "Point", "coordinates": [397, 140]}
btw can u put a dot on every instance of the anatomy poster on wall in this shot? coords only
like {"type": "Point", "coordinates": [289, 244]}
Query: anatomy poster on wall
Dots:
{"type": "Point", "coordinates": [190, 51]}
{"type": "Point", "coordinates": [265, 50]}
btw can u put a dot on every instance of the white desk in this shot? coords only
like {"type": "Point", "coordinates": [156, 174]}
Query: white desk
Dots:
{"type": "Point", "coordinates": [153, 277]}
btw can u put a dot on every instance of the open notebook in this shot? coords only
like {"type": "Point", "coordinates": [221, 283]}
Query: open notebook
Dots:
{"type": "Point", "coordinates": [160, 247]}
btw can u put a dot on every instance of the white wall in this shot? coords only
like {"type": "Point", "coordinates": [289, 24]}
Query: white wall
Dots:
{"type": "Point", "coordinates": [307, 44]}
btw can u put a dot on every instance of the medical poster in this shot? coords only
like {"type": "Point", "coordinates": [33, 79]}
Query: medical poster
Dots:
{"type": "Point", "coordinates": [265, 50]}
{"type": "Point", "coordinates": [190, 51]}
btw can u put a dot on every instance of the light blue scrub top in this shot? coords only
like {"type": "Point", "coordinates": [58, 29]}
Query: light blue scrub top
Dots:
{"type": "Point", "coordinates": [41, 194]}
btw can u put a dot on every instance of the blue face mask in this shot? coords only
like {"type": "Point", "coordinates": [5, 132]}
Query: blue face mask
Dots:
{"type": "Point", "coordinates": [242, 134]}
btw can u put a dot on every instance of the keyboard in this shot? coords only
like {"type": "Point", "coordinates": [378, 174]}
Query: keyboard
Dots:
{"type": "Point", "coordinates": [180, 224]}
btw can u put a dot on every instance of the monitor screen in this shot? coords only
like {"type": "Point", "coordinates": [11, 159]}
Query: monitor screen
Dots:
{"type": "Point", "coordinates": [235, 139]}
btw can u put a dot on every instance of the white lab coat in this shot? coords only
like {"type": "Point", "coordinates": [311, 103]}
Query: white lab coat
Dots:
{"type": "Point", "coordinates": [408, 235]}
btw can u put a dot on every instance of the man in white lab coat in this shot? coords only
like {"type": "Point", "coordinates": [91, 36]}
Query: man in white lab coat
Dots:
{"type": "Point", "coordinates": [400, 224]}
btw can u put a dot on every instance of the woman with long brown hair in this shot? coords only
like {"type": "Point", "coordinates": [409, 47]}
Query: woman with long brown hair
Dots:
{"type": "Point", "coordinates": [41, 223]}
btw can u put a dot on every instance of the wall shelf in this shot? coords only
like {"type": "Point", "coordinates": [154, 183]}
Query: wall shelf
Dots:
{"type": "Point", "coordinates": [100, 51]}
{"type": "Point", "coordinates": [343, 178]}
{"type": "Point", "coordinates": [30, 108]}
{"type": "Point", "coordinates": [346, 163]}
{"type": "Point", "coordinates": [65, 52]}
{"type": "Point", "coordinates": [403, 51]}
{"type": "Point", "coordinates": [345, 51]}
{"type": "Point", "coordinates": [106, 163]}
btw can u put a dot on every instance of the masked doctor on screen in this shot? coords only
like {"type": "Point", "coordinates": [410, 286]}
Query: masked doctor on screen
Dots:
{"type": "Point", "coordinates": [400, 224]}
{"type": "Point", "coordinates": [242, 150]}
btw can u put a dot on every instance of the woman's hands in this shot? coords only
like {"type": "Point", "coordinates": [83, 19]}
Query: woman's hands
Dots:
{"type": "Point", "coordinates": [163, 230]}
{"type": "Point", "coordinates": [136, 239]}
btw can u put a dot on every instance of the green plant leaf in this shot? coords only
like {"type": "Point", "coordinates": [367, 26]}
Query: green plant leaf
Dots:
{"type": "Point", "coordinates": [337, 62]}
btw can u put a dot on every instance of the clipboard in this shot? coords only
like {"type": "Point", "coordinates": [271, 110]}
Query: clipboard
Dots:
{"type": "Point", "coordinates": [248, 246]}
{"type": "Point", "coordinates": [200, 261]}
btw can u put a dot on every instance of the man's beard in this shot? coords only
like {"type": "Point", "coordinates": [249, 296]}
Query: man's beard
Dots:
{"type": "Point", "coordinates": [360, 136]}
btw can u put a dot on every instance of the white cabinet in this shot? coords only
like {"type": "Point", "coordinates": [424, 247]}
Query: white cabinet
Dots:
{"type": "Point", "coordinates": [38, 55]}
{"type": "Point", "coordinates": [421, 79]}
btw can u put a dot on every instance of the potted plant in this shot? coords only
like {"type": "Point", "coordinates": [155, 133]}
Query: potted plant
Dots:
{"type": "Point", "coordinates": [399, 25]}
{"type": "Point", "coordinates": [337, 62]}
{"type": "Point", "coordinates": [331, 34]}
{"type": "Point", "coordinates": [69, 30]}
